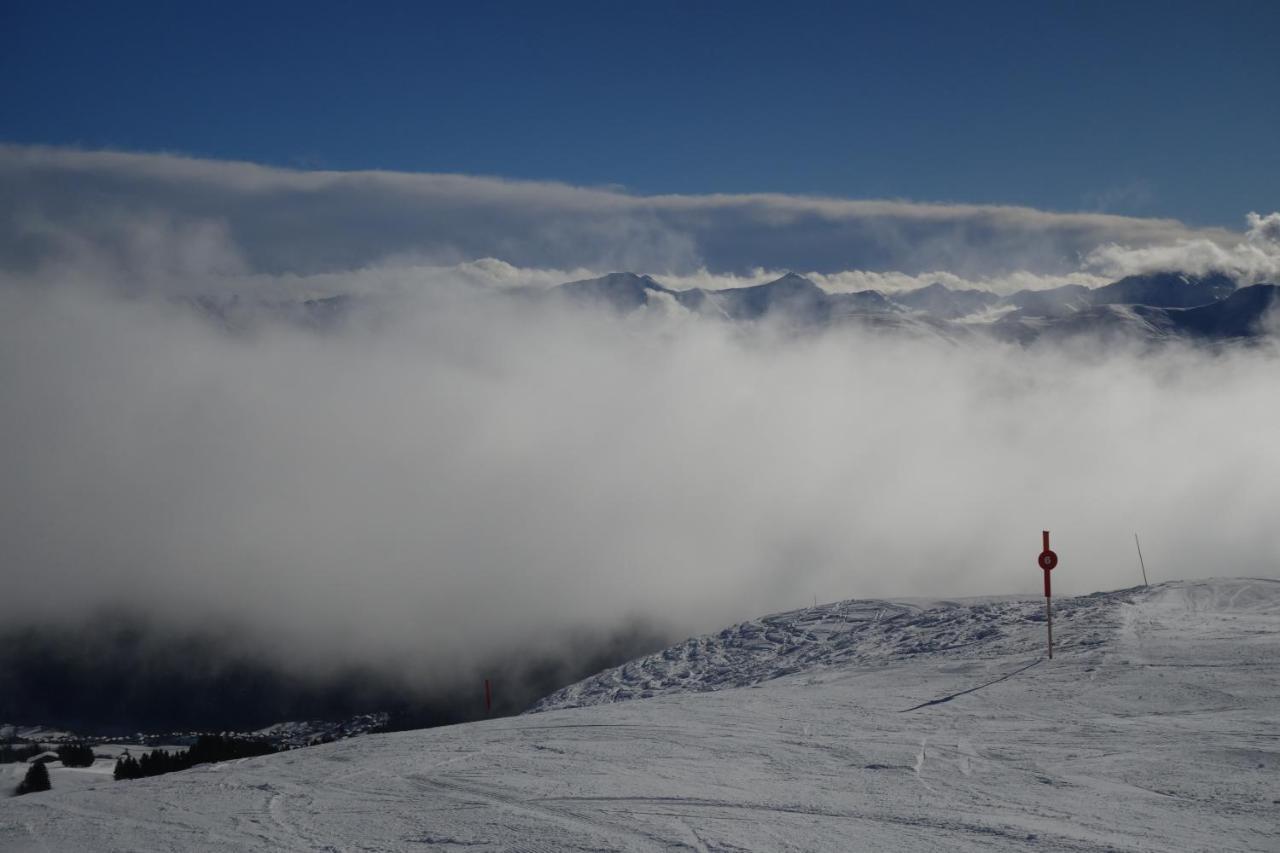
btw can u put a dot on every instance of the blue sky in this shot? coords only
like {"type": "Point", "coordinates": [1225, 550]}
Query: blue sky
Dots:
{"type": "Point", "coordinates": [1150, 109]}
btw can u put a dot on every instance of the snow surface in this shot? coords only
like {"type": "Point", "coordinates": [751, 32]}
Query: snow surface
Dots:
{"type": "Point", "coordinates": [62, 778]}
{"type": "Point", "coordinates": [855, 726]}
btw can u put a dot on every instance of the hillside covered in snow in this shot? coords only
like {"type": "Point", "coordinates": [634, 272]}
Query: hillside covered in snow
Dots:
{"type": "Point", "coordinates": [862, 725]}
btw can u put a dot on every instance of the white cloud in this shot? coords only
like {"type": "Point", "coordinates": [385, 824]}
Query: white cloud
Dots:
{"type": "Point", "coordinates": [1255, 258]}
{"type": "Point", "coordinates": [473, 476]}
{"type": "Point", "coordinates": [284, 221]}
{"type": "Point", "coordinates": [467, 474]}
{"type": "Point", "coordinates": [1264, 229]}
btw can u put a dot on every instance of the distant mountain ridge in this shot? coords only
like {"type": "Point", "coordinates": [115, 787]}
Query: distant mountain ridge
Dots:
{"type": "Point", "coordinates": [1148, 308]}
{"type": "Point", "coordinates": [1153, 306]}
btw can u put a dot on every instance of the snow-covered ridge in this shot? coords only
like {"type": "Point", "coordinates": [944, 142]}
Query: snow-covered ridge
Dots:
{"type": "Point", "coordinates": [1152, 307]}
{"type": "Point", "coordinates": [862, 632]}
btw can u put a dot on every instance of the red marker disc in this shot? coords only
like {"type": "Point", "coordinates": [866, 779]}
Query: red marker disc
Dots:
{"type": "Point", "coordinates": [1048, 560]}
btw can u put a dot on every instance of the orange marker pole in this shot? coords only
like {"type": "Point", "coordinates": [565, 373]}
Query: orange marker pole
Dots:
{"type": "Point", "coordinates": [1047, 561]}
{"type": "Point", "coordinates": [1048, 621]}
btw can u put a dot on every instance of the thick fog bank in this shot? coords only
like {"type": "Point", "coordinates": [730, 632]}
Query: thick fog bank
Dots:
{"type": "Point", "coordinates": [435, 473]}
{"type": "Point", "coordinates": [448, 478]}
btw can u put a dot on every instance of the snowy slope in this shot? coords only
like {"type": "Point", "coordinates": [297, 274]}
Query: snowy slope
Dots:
{"type": "Point", "coordinates": [868, 726]}
{"type": "Point", "coordinates": [839, 635]}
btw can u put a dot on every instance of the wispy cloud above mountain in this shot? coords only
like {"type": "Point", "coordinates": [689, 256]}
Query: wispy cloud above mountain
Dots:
{"type": "Point", "coordinates": [189, 215]}
{"type": "Point", "coordinates": [1254, 257]}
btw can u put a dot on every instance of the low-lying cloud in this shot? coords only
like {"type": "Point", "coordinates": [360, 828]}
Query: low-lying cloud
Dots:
{"type": "Point", "coordinates": [454, 474]}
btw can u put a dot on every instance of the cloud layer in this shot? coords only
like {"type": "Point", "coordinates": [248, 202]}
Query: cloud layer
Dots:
{"type": "Point", "coordinates": [455, 474]}
{"type": "Point", "coordinates": [183, 216]}
{"type": "Point", "coordinates": [1256, 258]}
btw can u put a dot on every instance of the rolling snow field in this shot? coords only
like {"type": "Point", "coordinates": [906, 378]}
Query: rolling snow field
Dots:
{"type": "Point", "coordinates": [862, 725]}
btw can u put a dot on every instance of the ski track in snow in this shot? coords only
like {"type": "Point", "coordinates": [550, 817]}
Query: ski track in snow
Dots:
{"type": "Point", "coordinates": [862, 725]}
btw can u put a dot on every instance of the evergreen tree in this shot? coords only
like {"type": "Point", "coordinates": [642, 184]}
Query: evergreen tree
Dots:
{"type": "Point", "coordinates": [75, 755]}
{"type": "Point", "coordinates": [37, 779]}
{"type": "Point", "coordinates": [127, 768]}
{"type": "Point", "coordinates": [207, 748]}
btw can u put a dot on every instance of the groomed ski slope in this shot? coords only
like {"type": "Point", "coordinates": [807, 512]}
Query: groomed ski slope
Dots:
{"type": "Point", "coordinates": [857, 726]}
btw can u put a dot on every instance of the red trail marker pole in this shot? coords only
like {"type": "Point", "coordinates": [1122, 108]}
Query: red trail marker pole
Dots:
{"type": "Point", "coordinates": [1047, 561]}
{"type": "Point", "coordinates": [488, 697]}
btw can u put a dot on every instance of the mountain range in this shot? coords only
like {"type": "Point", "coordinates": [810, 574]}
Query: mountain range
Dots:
{"type": "Point", "coordinates": [1155, 306]}
{"type": "Point", "coordinates": [1150, 308]}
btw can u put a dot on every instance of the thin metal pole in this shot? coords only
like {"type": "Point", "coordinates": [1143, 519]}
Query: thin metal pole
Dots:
{"type": "Point", "coordinates": [1048, 620]}
{"type": "Point", "coordinates": [1141, 562]}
